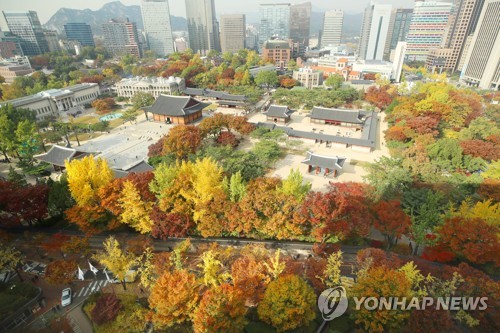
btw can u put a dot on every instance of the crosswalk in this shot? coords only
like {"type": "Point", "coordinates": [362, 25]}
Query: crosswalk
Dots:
{"type": "Point", "coordinates": [93, 287]}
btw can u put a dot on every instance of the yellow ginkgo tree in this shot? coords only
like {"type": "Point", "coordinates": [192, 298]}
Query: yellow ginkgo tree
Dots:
{"type": "Point", "coordinates": [116, 260]}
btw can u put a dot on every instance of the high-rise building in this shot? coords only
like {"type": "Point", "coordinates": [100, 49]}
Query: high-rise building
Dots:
{"type": "Point", "coordinates": [9, 45]}
{"type": "Point", "coordinates": [180, 44]}
{"type": "Point", "coordinates": [274, 21]}
{"type": "Point", "coordinates": [121, 37]}
{"type": "Point", "coordinates": [462, 23]}
{"type": "Point", "coordinates": [374, 31]}
{"type": "Point", "coordinates": [81, 32]}
{"type": "Point", "coordinates": [26, 26]}
{"type": "Point", "coordinates": [482, 63]}
{"type": "Point", "coordinates": [232, 32]}
{"type": "Point", "coordinates": [252, 38]}
{"type": "Point", "coordinates": [398, 29]}
{"type": "Point", "coordinates": [300, 22]}
{"type": "Point", "coordinates": [52, 40]}
{"type": "Point", "coordinates": [332, 28]}
{"type": "Point", "coordinates": [427, 28]}
{"type": "Point", "coordinates": [398, 62]}
{"type": "Point", "coordinates": [203, 27]}
{"type": "Point", "coordinates": [156, 20]}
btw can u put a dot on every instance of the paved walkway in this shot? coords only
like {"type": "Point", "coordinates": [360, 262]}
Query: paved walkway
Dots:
{"type": "Point", "coordinates": [79, 320]}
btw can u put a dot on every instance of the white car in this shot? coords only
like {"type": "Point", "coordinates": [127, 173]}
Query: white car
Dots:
{"type": "Point", "coordinates": [66, 297]}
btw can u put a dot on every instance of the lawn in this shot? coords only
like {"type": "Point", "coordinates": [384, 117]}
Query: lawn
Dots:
{"type": "Point", "coordinates": [86, 120]}
{"type": "Point", "coordinates": [12, 298]}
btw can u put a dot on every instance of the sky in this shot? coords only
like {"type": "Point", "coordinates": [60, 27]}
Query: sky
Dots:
{"type": "Point", "coordinates": [46, 8]}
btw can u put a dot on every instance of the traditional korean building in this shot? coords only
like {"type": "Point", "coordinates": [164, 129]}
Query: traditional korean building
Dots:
{"type": "Point", "coordinates": [57, 156]}
{"type": "Point", "coordinates": [278, 114]}
{"type": "Point", "coordinates": [338, 117]}
{"type": "Point", "coordinates": [220, 97]}
{"type": "Point", "coordinates": [176, 109]}
{"type": "Point", "coordinates": [326, 165]}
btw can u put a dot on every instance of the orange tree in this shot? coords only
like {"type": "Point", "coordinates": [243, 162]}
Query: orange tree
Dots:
{"type": "Point", "coordinates": [173, 298]}
{"type": "Point", "coordinates": [381, 282]}
{"type": "Point", "coordinates": [222, 309]}
{"type": "Point", "coordinates": [471, 239]}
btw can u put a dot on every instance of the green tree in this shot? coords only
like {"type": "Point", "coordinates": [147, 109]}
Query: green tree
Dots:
{"type": "Point", "coordinates": [294, 185]}
{"type": "Point", "coordinates": [334, 81]}
{"type": "Point", "coordinates": [129, 115]}
{"type": "Point", "coordinates": [267, 151]}
{"type": "Point", "coordinates": [267, 79]}
{"type": "Point", "coordinates": [388, 177]}
{"type": "Point", "coordinates": [236, 187]}
{"type": "Point", "coordinates": [142, 99]}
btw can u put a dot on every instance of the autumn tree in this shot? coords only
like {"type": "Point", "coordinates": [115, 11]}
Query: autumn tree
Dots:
{"type": "Point", "coordinates": [212, 269]}
{"type": "Point", "coordinates": [341, 212]}
{"type": "Point", "coordinates": [487, 210]}
{"type": "Point", "coordinates": [116, 260]}
{"type": "Point", "coordinates": [381, 282]}
{"type": "Point", "coordinates": [288, 303]}
{"type": "Point", "coordinates": [265, 211]}
{"type": "Point", "coordinates": [471, 239]}
{"type": "Point", "coordinates": [106, 309]}
{"type": "Point", "coordinates": [167, 225]}
{"type": "Point", "coordinates": [56, 243]}
{"type": "Point", "coordinates": [86, 176]}
{"type": "Point", "coordinates": [483, 149]}
{"type": "Point", "coordinates": [11, 259]}
{"type": "Point", "coordinates": [182, 140]}
{"type": "Point", "coordinates": [221, 309]}
{"type": "Point", "coordinates": [391, 221]}
{"type": "Point", "coordinates": [60, 271]}
{"type": "Point", "coordinates": [173, 298]}
{"type": "Point", "coordinates": [379, 96]}
{"type": "Point", "coordinates": [136, 209]}
{"type": "Point", "coordinates": [250, 277]}
{"type": "Point", "coordinates": [331, 274]}
{"type": "Point", "coordinates": [147, 268]}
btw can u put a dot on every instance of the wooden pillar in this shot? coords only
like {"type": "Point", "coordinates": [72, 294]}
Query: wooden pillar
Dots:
{"type": "Point", "coordinates": [309, 168]}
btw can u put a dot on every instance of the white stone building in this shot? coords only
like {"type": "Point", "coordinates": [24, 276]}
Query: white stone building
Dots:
{"type": "Point", "coordinates": [308, 77]}
{"type": "Point", "coordinates": [56, 102]}
{"type": "Point", "coordinates": [154, 85]}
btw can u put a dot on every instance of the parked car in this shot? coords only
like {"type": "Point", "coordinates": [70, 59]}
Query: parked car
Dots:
{"type": "Point", "coordinates": [66, 297]}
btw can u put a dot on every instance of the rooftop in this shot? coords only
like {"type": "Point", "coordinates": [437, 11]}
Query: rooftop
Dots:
{"type": "Point", "coordinates": [278, 111]}
{"type": "Point", "coordinates": [58, 155]}
{"type": "Point", "coordinates": [176, 106]}
{"type": "Point", "coordinates": [330, 162]}
{"type": "Point", "coordinates": [346, 116]}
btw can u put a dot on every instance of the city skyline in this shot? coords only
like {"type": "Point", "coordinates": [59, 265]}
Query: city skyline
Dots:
{"type": "Point", "coordinates": [177, 8]}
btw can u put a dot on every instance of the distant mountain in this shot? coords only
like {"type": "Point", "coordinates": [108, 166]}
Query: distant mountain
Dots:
{"type": "Point", "coordinates": [352, 24]}
{"type": "Point", "coordinates": [96, 18]}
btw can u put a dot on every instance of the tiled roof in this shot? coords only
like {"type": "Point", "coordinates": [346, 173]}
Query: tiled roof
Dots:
{"type": "Point", "coordinates": [214, 94]}
{"type": "Point", "coordinates": [330, 162]}
{"type": "Point", "coordinates": [58, 155]}
{"type": "Point", "coordinates": [278, 111]}
{"type": "Point", "coordinates": [346, 116]}
{"type": "Point", "coordinates": [368, 136]}
{"type": "Point", "coordinates": [176, 106]}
